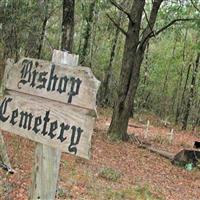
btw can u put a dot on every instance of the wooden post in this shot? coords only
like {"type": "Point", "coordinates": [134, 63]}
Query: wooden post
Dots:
{"type": "Point", "coordinates": [47, 159]}
{"type": "Point", "coordinates": [171, 136]}
{"type": "Point", "coordinates": [45, 175]}
{"type": "Point", "coordinates": [3, 150]}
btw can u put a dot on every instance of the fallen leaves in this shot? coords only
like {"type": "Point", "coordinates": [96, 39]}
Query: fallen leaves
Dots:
{"type": "Point", "coordinates": [79, 179]}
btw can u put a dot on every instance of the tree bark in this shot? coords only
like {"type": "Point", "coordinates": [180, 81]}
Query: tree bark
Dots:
{"type": "Point", "coordinates": [108, 75]}
{"type": "Point", "coordinates": [163, 112]}
{"type": "Point", "coordinates": [132, 59]}
{"type": "Point", "coordinates": [68, 25]}
{"type": "Point", "coordinates": [191, 95]}
{"type": "Point", "coordinates": [197, 120]}
{"type": "Point", "coordinates": [179, 83]}
{"type": "Point", "coordinates": [178, 111]}
{"type": "Point", "coordinates": [10, 34]}
{"type": "Point", "coordinates": [41, 40]}
{"type": "Point", "coordinates": [87, 32]}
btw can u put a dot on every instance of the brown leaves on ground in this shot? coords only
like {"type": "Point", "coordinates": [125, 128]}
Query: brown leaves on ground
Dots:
{"type": "Point", "coordinates": [143, 175]}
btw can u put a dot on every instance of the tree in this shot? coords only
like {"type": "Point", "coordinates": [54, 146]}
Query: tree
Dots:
{"type": "Point", "coordinates": [87, 32]}
{"type": "Point", "coordinates": [44, 23]}
{"type": "Point", "coordinates": [31, 28]}
{"type": "Point", "coordinates": [13, 27]}
{"type": "Point", "coordinates": [191, 95]}
{"type": "Point", "coordinates": [37, 32]}
{"type": "Point", "coordinates": [132, 59]}
{"type": "Point", "coordinates": [134, 50]}
{"type": "Point", "coordinates": [108, 74]}
{"type": "Point", "coordinates": [68, 25]}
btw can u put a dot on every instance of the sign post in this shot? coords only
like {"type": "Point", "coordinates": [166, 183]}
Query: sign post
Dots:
{"type": "Point", "coordinates": [52, 104]}
{"type": "Point", "coordinates": [3, 150]}
{"type": "Point", "coordinates": [47, 159]}
{"type": "Point", "coordinates": [3, 153]}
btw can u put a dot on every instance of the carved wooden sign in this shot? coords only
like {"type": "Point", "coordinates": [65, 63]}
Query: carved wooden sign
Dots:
{"type": "Point", "coordinates": [50, 104]}
{"type": "Point", "coordinates": [73, 85]}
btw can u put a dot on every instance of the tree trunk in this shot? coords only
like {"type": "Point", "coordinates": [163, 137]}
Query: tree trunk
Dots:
{"type": "Point", "coordinates": [87, 32]}
{"type": "Point", "coordinates": [42, 38]}
{"type": "Point", "coordinates": [145, 94]}
{"type": "Point", "coordinates": [179, 101]}
{"type": "Point", "coordinates": [165, 107]}
{"type": "Point", "coordinates": [191, 96]}
{"type": "Point", "coordinates": [132, 60]}
{"type": "Point", "coordinates": [178, 111]}
{"type": "Point", "coordinates": [107, 80]}
{"type": "Point", "coordinates": [68, 25]}
{"type": "Point", "coordinates": [41, 41]}
{"type": "Point", "coordinates": [197, 121]}
{"type": "Point", "coordinates": [176, 96]}
{"type": "Point", "coordinates": [146, 65]}
{"type": "Point", "coordinates": [32, 45]}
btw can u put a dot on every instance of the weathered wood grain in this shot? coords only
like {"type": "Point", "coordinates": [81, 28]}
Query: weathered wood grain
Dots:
{"type": "Point", "coordinates": [65, 58]}
{"type": "Point", "coordinates": [45, 172]}
{"type": "Point", "coordinates": [73, 85]}
{"type": "Point", "coordinates": [47, 159]}
{"type": "Point", "coordinates": [70, 119]}
{"type": "Point", "coordinates": [3, 151]}
{"type": "Point", "coordinates": [9, 64]}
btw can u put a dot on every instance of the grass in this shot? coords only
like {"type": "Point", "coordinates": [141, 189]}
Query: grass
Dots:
{"type": "Point", "coordinates": [110, 174]}
{"type": "Point", "coordinates": [127, 194]}
{"type": "Point", "coordinates": [130, 193]}
{"type": "Point", "coordinates": [144, 193]}
{"type": "Point", "coordinates": [161, 139]}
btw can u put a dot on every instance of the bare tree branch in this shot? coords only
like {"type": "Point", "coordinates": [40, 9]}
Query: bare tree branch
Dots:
{"type": "Point", "coordinates": [195, 6]}
{"type": "Point", "coordinates": [150, 35]}
{"type": "Point", "coordinates": [117, 25]}
{"type": "Point", "coordinates": [145, 13]}
{"type": "Point", "coordinates": [49, 43]}
{"type": "Point", "coordinates": [171, 23]}
{"type": "Point", "coordinates": [122, 9]}
{"type": "Point", "coordinates": [151, 22]}
{"type": "Point", "coordinates": [53, 11]}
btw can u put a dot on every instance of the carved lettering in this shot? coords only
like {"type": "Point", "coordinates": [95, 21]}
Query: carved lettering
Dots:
{"type": "Point", "coordinates": [14, 116]}
{"type": "Point", "coordinates": [38, 122]}
{"type": "Point", "coordinates": [75, 138]}
{"type": "Point", "coordinates": [63, 128]}
{"type": "Point", "coordinates": [32, 77]}
{"type": "Point", "coordinates": [25, 72]}
{"type": "Point", "coordinates": [25, 120]}
{"type": "Point", "coordinates": [53, 127]}
{"type": "Point", "coordinates": [74, 88]}
{"type": "Point", "coordinates": [3, 108]}
{"type": "Point", "coordinates": [46, 120]}
{"type": "Point", "coordinates": [52, 80]}
{"type": "Point", "coordinates": [43, 125]}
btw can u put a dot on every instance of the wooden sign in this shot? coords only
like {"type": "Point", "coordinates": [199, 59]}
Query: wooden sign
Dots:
{"type": "Point", "coordinates": [72, 85]}
{"type": "Point", "coordinates": [50, 104]}
{"type": "Point", "coordinates": [54, 105]}
{"type": "Point", "coordinates": [62, 126]}
{"type": "Point", "coordinates": [63, 57]}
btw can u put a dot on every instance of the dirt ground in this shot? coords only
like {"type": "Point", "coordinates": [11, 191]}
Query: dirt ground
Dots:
{"type": "Point", "coordinates": [117, 171]}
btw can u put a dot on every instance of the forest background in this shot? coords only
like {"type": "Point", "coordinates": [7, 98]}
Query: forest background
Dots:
{"type": "Point", "coordinates": [169, 83]}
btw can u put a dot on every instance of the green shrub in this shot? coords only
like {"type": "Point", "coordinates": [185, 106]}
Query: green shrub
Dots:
{"type": "Point", "coordinates": [110, 174]}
